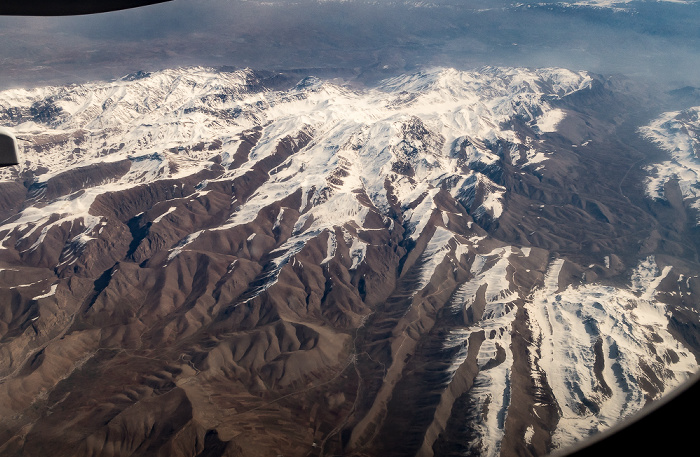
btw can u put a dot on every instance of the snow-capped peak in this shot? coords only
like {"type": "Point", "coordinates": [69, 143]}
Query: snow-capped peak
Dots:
{"type": "Point", "coordinates": [394, 142]}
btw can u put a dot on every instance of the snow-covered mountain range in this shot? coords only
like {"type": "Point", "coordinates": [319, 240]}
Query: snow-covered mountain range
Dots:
{"type": "Point", "coordinates": [448, 262]}
{"type": "Point", "coordinates": [677, 132]}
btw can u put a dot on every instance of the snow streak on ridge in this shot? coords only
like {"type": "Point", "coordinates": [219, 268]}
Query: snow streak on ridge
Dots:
{"type": "Point", "coordinates": [491, 390]}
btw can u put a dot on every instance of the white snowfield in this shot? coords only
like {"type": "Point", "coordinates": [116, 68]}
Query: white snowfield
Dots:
{"type": "Point", "coordinates": [677, 132]}
{"type": "Point", "coordinates": [567, 323]}
{"type": "Point", "coordinates": [170, 124]}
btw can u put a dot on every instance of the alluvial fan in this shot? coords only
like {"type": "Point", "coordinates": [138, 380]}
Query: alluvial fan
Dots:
{"type": "Point", "coordinates": [202, 262]}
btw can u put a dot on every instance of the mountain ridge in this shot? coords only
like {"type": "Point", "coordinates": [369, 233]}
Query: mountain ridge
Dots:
{"type": "Point", "coordinates": [322, 268]}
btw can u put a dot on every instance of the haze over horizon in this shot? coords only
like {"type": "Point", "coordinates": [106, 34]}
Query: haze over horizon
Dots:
{"type": "Point", "coordinates": [651, 41]}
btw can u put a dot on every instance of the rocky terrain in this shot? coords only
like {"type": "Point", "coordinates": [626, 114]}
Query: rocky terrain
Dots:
{"type": "Point", "coordinates": [200, 262]}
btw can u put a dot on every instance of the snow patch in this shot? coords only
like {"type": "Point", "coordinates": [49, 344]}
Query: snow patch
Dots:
{"type": "Point", "coordinates": [529, 433]}
{"type": "Point", "coordinates": [331, 246]}
{"type": "Point", "coordinates": [358, 252]}
{"type": "Point", "coordinates": [52, 291]}
{"type": "Point", "coordinates": [159, 218]}
{"type": "Point", "coordinates": [175, 251]}
{"type": "Point", "coordinates": [548, 122]}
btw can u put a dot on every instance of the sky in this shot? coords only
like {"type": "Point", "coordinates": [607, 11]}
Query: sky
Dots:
{"type": "Point", "coordinates": [367, 40]}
